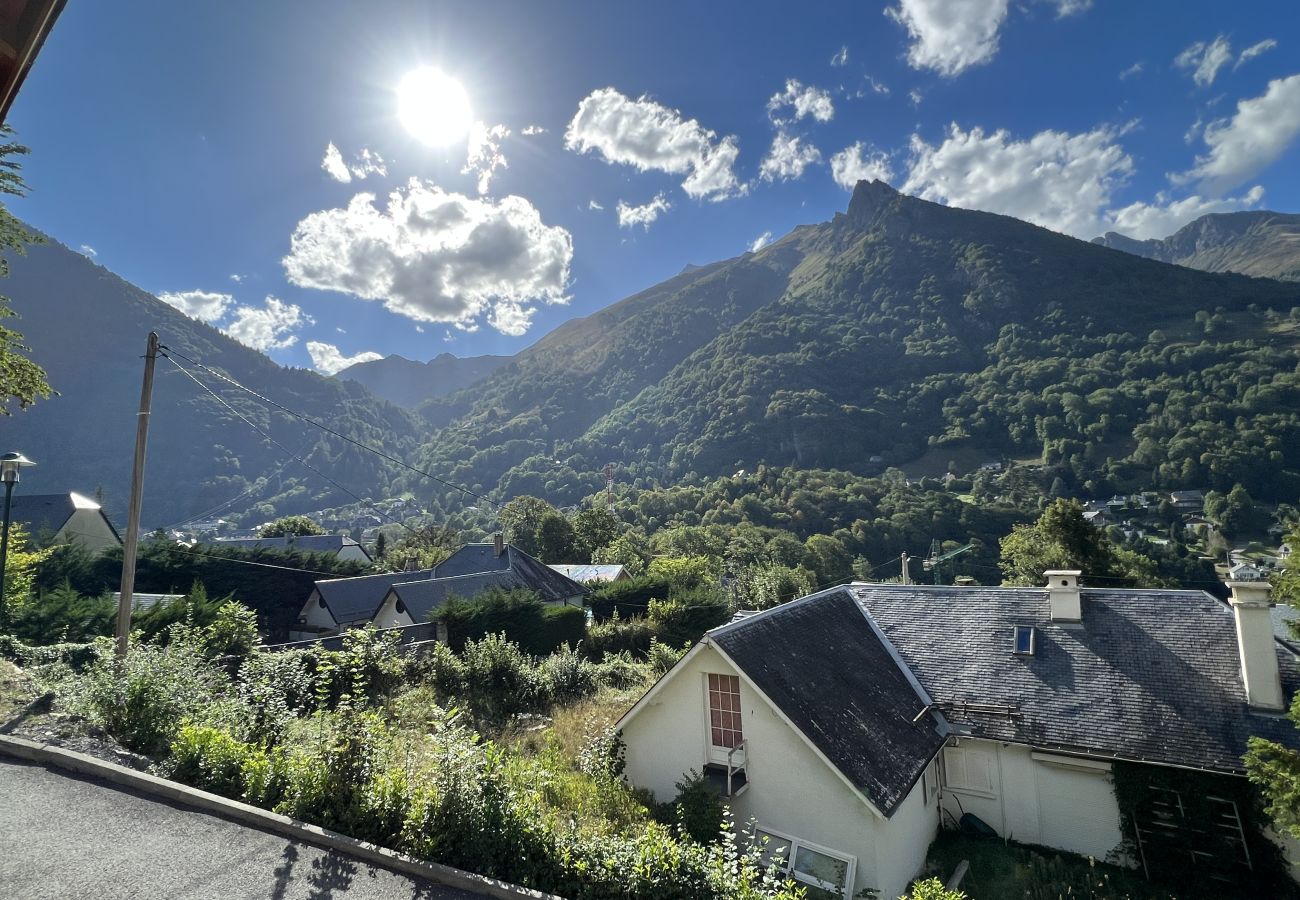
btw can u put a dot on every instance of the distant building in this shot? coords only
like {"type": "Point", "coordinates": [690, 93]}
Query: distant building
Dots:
{"type": "Point", "coordinates": [1097, 518]}
{"type": "Point", "coordinates": [1244, 571]}
{"type": "Point", "coordinates": [69, 518]}
{"type": "Point", "coordinates": [338, 545]}
{"type": "Point", "coordinates": [593, 572]}
{"type": "Point", "coordinates": [336, 604]}
{"type": "Point", "coordinates": [1187, 501]}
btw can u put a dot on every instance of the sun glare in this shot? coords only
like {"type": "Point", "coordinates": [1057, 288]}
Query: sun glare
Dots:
{"type": "Point", "coordinates": [434, 107]}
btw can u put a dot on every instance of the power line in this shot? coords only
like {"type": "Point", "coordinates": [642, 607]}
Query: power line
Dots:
{"type": "Point", "coordinates": [258, 485]}
{"type": "Point", "coordinates": [338, 434]}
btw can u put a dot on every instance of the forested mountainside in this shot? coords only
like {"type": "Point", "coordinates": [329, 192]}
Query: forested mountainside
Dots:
{"type": "Point", "coordinates": [88, 328]}
{"type": "Point", "coordinates": [900, 328]}
{"type": "Point", "coordinates": [409, 383]}
{"type": "Point", "coordinates": [1260, 243]}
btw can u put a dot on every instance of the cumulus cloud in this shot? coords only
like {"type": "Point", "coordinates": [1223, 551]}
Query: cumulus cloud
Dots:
{"type": "Point", "coordinates": [787, 159]}
{"type": "Point", "coordinates": [1204, 60]}
{"type": "Point", "coordinates": [267, 327]}
{"type": "Point", "coordinates": [1165, 216]}
{"type": "Point", "coordinates": [436, 256]}
{"type": "Point", "coordinates": [760, 242]}
{"type": "Point", "coordinates": [631, 216]}
{"type": "Point", "coordinates": [802, 100]}
{"type": "Point", "coordinates": [860, 162]}
{"type": "Point", "coordinates": [484, 156]}
{"type": "Point", "coordinates": [329, 360]}
{"type": "Point", "coordinates": [206, 306]}
{"type": "Point", "coordinates": [1054, 179]}
{"type": "Point", "coordinates": [363, 165]}
{"type": "Point", "coordinates": [842, 57]}
{"type": "Point", "coordinates": [915, 96]}
{"type": "Point", "coordinates": [89, 251]}
{"type": "Point", "coordinates": [530, 130]}
{"type": "Point", "coordinates": [1135, 69]}
{"type": "Point", "coordinates": [950, 36]}
{"type": "Point", "coordinates": [1254, 50]}
{"type": "Point", "coordinates": [237, 278]}
{"type": "Point", "coordinates": [1253, 139]}
{"type": "Point", "coordinates": [651, 136]}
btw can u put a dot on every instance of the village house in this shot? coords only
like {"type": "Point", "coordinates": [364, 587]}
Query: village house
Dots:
{"type": "Point", "coordinates": [336, 604]}
{"type": "Point", "coordinates": [69, 518]}
{"type": "Point", "coordinates": [1187, 501]}
{"type": "Point", "coordinates": [852, 724]}
{"type": "Point", "coordinates": [338, 545]}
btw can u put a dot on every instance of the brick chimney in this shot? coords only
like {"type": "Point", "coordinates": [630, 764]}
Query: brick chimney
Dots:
{"type": "Point", "coordinates": [499, 543]}
{"type": "Point", "coordinates": [1063, 595]}
{"type": "Point", "coordinates": [1255, 644]}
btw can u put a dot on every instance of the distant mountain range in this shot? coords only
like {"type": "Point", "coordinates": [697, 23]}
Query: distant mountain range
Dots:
{"type": "Point", "coordinates": [1262, 243]}
{"type": "Point", "coordinates": [408, 383]}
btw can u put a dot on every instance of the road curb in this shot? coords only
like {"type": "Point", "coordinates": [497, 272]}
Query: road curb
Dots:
{"type": "Point", "coordinates": [80, 763]}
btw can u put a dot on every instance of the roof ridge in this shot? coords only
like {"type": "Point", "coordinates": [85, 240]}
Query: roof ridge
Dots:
{"type": "Point", "coordinates": [728, 627]}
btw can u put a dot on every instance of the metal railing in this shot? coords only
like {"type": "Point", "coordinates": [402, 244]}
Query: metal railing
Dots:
{"type": "Point", "coordinates": [732, 768]}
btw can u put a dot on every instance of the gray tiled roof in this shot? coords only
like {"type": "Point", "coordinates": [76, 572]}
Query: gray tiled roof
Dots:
{"type": "Point", "coordinates": [473, 559]}
{"type": "Point", "coordinates": [358, 599]}
{"type": "Point", "coordinates": [824, 666]}
{"type": "Point", "coordinates": [422, 597]}
{"type": "Point", "coordinates": [1150, 675]}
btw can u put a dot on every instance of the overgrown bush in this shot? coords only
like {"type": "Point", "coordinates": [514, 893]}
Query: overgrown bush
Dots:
{"type": "Point", "coordinates": [932, 889]}
{"type": "Point", "coordinates": [663, 657]}
{"type": "Point", "coordinates": [698, 808]}
{"type": "Point", "coordinates": [618, 635]}
{"type": "Point", "coordinates": [518, 614]}
{"type": "Point", "coordinates": [627, 598]}
{"type": "Point", "coordinates": [683, 620]}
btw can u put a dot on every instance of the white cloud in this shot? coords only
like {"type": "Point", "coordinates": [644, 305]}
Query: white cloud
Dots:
{"type": "Point", "coordinates": [328, 359]}
{"type": "Point", "coordinates": [267, 327]}
{"type": "Point", "coordinates": [363, 165]}
{"type": "Point", "coordinates": [1054, 179]}
{"type": "Point", "coordinates": [484, 155]}
{"type": "Point", "coordinates": [436, 256]}
{"type": "Point", "coordinates": [340, 329]}
{"type": "Point", "coordinates": [950, 36]}
{"type": "Point", "coordinates": [593, 205]}
{"type": "Point", "coordinates": [877, 86]}
{"type": "Point", "coordinates": [530, 130]}
{"type": "Point", "coordinates": [237, 278]}
{"type": "Point", "coordinates": [651, 136]}
{"type": "Point", "coordinates": [859, 163]}
{"type": "Point", "coordinates": [1066, 8]}
{"type": "Point", "coordinates": [760, 242]}
{"type": "Point", "coordinates": [803, 100]}
{"type": "Point", "coordinates": [631, 216]}
{"type": "Point", "coordinates": [1205, 60]}
{"type": "Point", "coordinates": [842, 57]}
{"type": "Point", "coordinates": [1135, 69]}
{"type": "Point", "coordinates": [206, 306]}
{"type": "Point", "coordinates": [1253, 139]}
{"type": "Point", "coordinates": [787, 158]}
{"type": "Point", "coordinates": [1254, 50]}
{"type": "Point", "coordinates": [1165, 216]}
{"type": "Point", "coordinates": [915, 96]}
{"type": "Point", "coordinates": [89, 251]}
{"type": "Point", "coordinates": [419, 329]}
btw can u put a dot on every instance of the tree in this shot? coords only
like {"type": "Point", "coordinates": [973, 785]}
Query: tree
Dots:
{"type": "Point", "coordinates": [555, 539]}
{"type": "Point", "coordinates": [1063, 539]}
{"type": "Point", "coordinates": [594, 528]}
{"type": "Point", "coordinates": [1238, 514]}
{"type": "Point", "coordinates": [519, 520]}
{"type": "Point", "coordinates": [427, 545]}
{"type": "Point", "coordinates": [828, 559]}
{"type": "Point", "coordinates": [290, 526]}
{"type": "Point", "coordinates": [20, 378]}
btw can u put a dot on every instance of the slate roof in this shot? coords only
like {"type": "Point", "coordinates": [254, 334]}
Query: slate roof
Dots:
{"type": "Point", "coordinates": [43, 513]}
{"type": "Point", "coordinates": [589, 572]}
{"type": "Point", "coordinates": [473, 559]}
{"type": "Point", "coordinates": [306, 543]}
{"type": "Point", "coordinates": [829, 671]}
{"type": "Point", "coordinates": [358, 599]}
{"type": "Point", "coordinates": [422, 597]}
{"type": "Point", "coordinates": [1150, 675]}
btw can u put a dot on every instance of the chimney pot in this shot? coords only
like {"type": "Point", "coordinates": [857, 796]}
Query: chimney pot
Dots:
{"type": "Point", "coordinates": [499, 543]}
{"type": "Point", "coordinates": [1256, 646]}
{"type": "Point", "coordinates": [1063, 599]}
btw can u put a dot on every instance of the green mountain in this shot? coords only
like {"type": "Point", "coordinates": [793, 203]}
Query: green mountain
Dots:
{"type": "Point", "coordinates": [408, 383]}
{"type": "Point", "coordinates": [88, 328]}
{"type": "Point", "coordinates": [898, 331]}
{"type": "Point", "coordinates": [1260, 243]}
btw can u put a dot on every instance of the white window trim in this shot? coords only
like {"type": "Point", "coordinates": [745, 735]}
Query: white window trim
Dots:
{"type": "Point", "coordinates": [713, 753]}
{"type": "Point", "coordinates": [793, 843]}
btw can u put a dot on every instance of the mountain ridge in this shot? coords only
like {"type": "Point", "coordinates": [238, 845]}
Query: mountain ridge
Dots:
{"type": "Point", "coordinates": [1255, 242]}
{"type": "Point", "coordinates": [408, 383]}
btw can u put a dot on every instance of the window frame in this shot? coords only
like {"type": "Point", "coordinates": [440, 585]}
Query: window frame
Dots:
{"type": "Point", "coordinates": [793, 845]}
{"type": "Point", "coordinates": [1016, 631]}
{"type": "Point", "coordinates": [718, 753]}
{"type": "Point", "coordinates": [991, 762]}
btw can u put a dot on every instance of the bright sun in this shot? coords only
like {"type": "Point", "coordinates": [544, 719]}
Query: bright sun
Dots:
{"type": "Point", "coordinates": [434, 107]}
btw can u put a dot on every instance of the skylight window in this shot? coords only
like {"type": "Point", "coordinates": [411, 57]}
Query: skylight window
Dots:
{"type": "Point", "coordinates": [1024, 640]}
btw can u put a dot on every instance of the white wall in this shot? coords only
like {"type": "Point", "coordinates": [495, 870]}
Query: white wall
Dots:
{"type": "Point", "coordinates": [353, 552]}
{"type": "Point", "coordinates": [87, 528]}
{"type": "Point", "coordinates": [317, 621]}
{"type": "Point", "coordinates": [388, 616]}
{"type": "Point", "coordinates": [791, 789]}
{"type": "Point", "coordinates": [1041, 798]}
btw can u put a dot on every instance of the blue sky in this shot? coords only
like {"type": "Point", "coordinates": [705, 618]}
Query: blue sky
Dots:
{"type": "Point", "coordinates": [185, 145]}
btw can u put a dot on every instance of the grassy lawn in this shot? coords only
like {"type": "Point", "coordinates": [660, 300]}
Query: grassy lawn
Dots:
{"type": "Point", "coordinates": [1000, 870]}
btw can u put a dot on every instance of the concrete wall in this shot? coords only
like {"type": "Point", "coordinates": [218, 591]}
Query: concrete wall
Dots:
{"type": "Point", "coordinates": [791, 789]}
{"type": "Point", "coordinates": [87, 528]}
{"type": "Point", "coordinates": [1037, 798]}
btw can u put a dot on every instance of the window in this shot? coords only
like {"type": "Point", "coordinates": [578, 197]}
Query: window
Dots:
{"type": "Point", "coordinates": [1024, 640]}
{"type": "Point", "coordinates": [968, 768]}
{"type": "Point", "coordinates": [724, 711]}
{"type": "Point", "coordinates": [824, 873]}
{"type": "Point", "coordinates": [930, 782]}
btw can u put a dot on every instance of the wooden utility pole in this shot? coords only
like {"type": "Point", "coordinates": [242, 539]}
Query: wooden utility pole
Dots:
{"type": "Point", "coordinates": [137, 489]}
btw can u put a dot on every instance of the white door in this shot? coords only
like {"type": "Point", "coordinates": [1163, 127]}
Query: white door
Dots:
{"type": "Point", "coordinates": [724, 730]}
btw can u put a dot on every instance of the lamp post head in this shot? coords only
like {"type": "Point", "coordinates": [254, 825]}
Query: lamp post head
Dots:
{"type": "Point", "coordinates": [10, 463]}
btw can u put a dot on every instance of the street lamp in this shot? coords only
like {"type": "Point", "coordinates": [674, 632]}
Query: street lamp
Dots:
{"type": "Point", "coordinates": [10, 464]}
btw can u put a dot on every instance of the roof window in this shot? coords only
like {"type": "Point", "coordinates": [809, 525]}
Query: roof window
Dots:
{"type": "Point", "coordinates": [1024, 641]}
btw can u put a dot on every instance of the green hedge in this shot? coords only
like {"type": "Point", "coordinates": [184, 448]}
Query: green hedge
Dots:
{"type": "Point", "coordinates": [628, 598]}
{"type": "Point", "coordinates": [520, 615]}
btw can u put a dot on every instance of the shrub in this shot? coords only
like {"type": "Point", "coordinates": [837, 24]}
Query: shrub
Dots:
{"type": "Point", "coordinates": [566, 677]}
{"type": "Point", "coordinates": [618, 635]}
{"type": "Point", "coordinates": [276, 688]}
{"type": "Point", "coordinates": [698, 808]}
{"type": "Point", "coordinates": [682, 621]}
{"type": "Point", "coordinates": [500, 680]}
{"type": "Point", "coordinates": [932, 889]}
{"type": "Point", "coordinates": [63, 615]}
{"type": "Point", "coordinates": [626, 598]}
{"type": "Point", "coordinates": [663, 657]}
{"type": "Point", "coordinates": [620, 671]}
{"type": "Point", "coordinates": [519, 614]}
{"type": "Point", "coordinates": [211, 759]}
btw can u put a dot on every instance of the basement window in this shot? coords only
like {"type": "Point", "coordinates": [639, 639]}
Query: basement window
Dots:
{"type": "Point", "coordinates": [823, 873]}
{"type": "Point", "coordinates": [1024, 640]}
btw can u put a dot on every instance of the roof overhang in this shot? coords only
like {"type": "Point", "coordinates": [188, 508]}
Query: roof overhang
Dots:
{"type": "Point", "coordinates": [24, 25]}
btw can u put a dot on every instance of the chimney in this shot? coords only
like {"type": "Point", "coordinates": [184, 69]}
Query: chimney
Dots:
{"type": "Point", "coordinates": [1255, 644]}
{"type": "Point", "coordinates": [1063, 595]}
{"type": "Point", "coordinates": [412, 564]}
{"type": "Point", "coordinates": [499, 543]}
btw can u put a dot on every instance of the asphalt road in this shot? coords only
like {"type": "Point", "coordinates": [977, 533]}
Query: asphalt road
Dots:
{"type": "Point", "coordinates": [63, 836]}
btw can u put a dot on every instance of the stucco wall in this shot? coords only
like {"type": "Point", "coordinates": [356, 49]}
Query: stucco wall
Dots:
{"type": "Point", "coordinates": [353, 553]}
{"type": "Point", "coordinates": [388, 616]}
{"type": "Point", "coordinates": [317, 621]}
{"type": "Point", "coordinates": [87, 528]}
{"type": "Point", "coordinates": [791, 790]}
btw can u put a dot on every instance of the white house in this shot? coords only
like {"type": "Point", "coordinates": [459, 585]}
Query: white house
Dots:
{"type": "Point", "coordinates": [1245, 571]}
{"type": "Point", "coordinates": [852, 723]}
{"type": "Point", "coordinates": [69, 518]}
{"type": "Point", "coordinates": [338, 603]}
